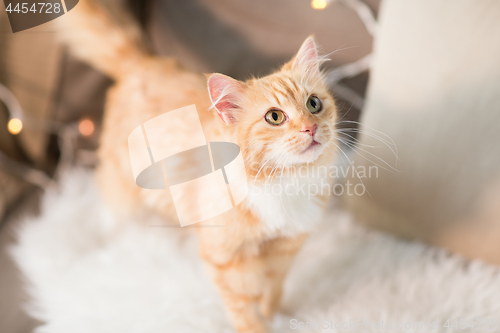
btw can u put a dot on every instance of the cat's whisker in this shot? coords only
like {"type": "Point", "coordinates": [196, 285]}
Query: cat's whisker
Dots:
{"type": "Point", "coordinates": [349, 137]}
{"type": "Point", "coordinates": [345, 114]}
{"type": "Point", "coordinates": [394, 153]}
{"type": "Point", "coordinates": [363, 128]}
{"type": "Point", "coordinates": [356, 142]}
{"type": "Point", "coordinates": [361, 131]}
{"type": "Point", "coordinates": [281, 165]}
{"type": "Point", "coordinates": [354, 169]}
{"type": "Point", "coordinates": [263, 165]}
{"type": "Point", "coordinates": [391, 145]}
{"type": "Point", "coordinates": [275, 156]}
{"type": "Point", "coordinates": [274, 169]}
{"type": "Point", "coordinates": [354, 148]}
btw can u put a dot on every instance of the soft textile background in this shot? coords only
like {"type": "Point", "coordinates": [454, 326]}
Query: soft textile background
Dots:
{"type": "Point", "coordinates": [89, 271]}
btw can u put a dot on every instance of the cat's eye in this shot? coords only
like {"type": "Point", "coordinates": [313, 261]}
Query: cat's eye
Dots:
{"type": "Point", "coordinates": [314, 104]}
{"type": "Point", "coordinates": [275, 117]}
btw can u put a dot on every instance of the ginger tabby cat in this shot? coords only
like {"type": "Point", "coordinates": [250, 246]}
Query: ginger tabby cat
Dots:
{"type": "Point", "coordinates": [282, 121]}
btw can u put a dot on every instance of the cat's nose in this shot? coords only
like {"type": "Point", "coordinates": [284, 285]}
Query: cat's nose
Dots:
{"type": "Point", "coordinates": [310, 129]}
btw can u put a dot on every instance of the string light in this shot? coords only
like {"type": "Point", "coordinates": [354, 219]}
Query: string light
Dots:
{"type": "Point", "coordinates": [86, 127]}
{"type": "Point", "coordinates": [319, 4]}
{"type": "Point", "coordinates": [15, 125]}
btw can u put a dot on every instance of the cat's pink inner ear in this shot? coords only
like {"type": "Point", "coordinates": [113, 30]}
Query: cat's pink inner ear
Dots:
{"type": "Point", "coordinates": [225, 94]}
{"type": "Point", "coordinates": [307, 57]}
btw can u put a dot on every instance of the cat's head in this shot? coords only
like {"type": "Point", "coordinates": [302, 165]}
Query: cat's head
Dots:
{"type": "Point", "coordinates": [284, 119]}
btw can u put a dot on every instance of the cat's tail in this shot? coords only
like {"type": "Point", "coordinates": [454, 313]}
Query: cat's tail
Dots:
{"type": "Point", "coordinates": [112, 43]}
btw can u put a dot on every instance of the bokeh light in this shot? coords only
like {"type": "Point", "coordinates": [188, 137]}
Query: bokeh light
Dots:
{"type": "Point", "coordinates": [319, 4]}
{"type": "Point", "coordinates": [15, 126]}
{"type": "Point", "coordinates": [86, 127]}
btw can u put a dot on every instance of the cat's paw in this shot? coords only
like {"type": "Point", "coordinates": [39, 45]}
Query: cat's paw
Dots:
{"type": "Point", "coordinates": [269, 306]}
{"type": "Point", "coordinates": [260, 327]}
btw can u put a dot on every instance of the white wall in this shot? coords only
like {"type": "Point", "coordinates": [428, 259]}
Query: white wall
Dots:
{"type": "Point", "coordinates": [435, 90]}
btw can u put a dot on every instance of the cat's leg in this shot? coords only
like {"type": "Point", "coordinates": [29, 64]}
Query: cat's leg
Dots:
{"type": "Point", "coordinates": [279, 255]}
{"type": "Point", "coordinates": [241, 284]}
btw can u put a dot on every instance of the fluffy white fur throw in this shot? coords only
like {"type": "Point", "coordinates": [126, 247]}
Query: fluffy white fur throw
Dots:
{"type": "Point", "coordinates": [87, 272]}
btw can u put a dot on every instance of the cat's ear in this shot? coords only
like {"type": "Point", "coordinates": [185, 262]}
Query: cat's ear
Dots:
{"type": "Point", "coordinates": [226, 94]}
{"type": "Point", "coordinates": [307, 57]}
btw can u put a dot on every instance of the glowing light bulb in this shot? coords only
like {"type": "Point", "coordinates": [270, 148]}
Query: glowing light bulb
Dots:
{"type": "Point", "coordinates": [15, 125]}
{"type": "Point", "coordinates": [319, 4]}
{"type": "Point", "coordinates": [86, 127]}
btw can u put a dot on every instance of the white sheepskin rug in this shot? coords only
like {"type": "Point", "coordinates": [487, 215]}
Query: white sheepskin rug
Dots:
{"type": "Point", "coordinates": [86, 271]}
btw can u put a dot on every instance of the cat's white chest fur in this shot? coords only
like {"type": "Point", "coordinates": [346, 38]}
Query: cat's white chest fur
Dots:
{"type": "Point", "coordinates": [289, 205]}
